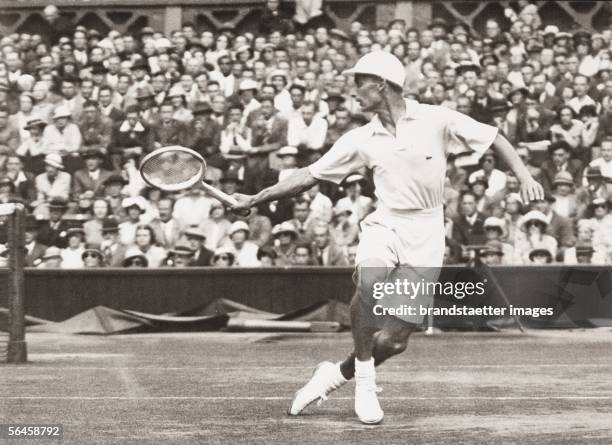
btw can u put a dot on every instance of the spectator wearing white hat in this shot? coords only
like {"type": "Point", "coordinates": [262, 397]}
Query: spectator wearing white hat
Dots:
{"type": "Point", "coordinates": [216, 227]}
{"type": "Point", "coordinates": [532, 236]}
{"type": "Point", "coordinates": [563, 191]}
{"type": "Point", "coordinates": [54, 182]}
{"type": "Point", "coordinates": [288, 161]}
{"type": "Point", "coordinates": [63, 136]}
{"type": "Point", "coordinates": [134, 208]}
{"type": "Point", "coordinates": [246, 92]}
{"type": "Point", "coordinates": [361, 206]}
{"type": "Point", "coordinates": [495, 230]}
{"type": "Point", "coordinates": [285, 237]}
{"type": "Point", "coordinates": [52, 259]}
{"type": "Point", "coordinates": [245, 250]}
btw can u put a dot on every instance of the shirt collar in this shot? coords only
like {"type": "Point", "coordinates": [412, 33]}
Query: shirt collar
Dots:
{"type": "Point", "coordinates": [412, 107]}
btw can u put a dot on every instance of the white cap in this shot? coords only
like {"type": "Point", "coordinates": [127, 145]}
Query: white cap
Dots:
{"type": "Point", "coordinates": [248, 84]}
{"type": "Point", "coordinates": [287, 150]}
{"type": "Point", "coordinates": [381, 64]}
{"type": "Point", "coordinates": [551, 29]}
{"type": "Point", "coordinates": [493, 221]}
{"type": "Point", "coordinates": [237, 226]}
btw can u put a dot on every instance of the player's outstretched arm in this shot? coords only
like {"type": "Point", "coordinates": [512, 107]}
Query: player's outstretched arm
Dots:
{"type": "Point", "coordinates": [300, 181]}
{"type": "Point", "coordinates": [530, 188]}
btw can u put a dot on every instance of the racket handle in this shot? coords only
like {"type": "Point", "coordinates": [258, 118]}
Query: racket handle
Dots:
{"type": "Point", "coordinates": [224, 198]}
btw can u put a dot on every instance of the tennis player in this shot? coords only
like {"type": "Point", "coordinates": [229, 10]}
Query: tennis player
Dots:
{"type": "Point", "coordinates": [406, 145]}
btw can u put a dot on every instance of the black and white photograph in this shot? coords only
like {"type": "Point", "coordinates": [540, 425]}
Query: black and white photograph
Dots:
{"type": "Point", "coordinates": [305, 222]}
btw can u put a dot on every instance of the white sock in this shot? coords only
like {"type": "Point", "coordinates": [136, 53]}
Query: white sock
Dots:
{"type": "Point", "coordinates": [365, 369]}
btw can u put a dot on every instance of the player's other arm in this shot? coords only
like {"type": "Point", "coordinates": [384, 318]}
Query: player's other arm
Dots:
{"type": "Point", "coordinates": [530, 188]}
{"type": "Point", "coordinates": [300, 181]}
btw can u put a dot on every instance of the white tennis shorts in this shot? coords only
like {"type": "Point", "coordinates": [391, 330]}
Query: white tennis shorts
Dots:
{"type": "Point", "coordinates": [412, 243]}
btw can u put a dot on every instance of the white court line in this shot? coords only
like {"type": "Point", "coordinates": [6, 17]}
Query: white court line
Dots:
{"type": "Point", "coordinates": [408, 366]}
{"type": "Point", "coordinates": [223, 398]}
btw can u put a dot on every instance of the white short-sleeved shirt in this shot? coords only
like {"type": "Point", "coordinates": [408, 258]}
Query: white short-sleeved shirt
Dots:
{"type": "Point", "coordinates": [409, 168]}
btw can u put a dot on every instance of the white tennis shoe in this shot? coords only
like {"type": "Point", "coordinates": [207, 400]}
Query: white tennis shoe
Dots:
{"type": "Point", "coordinates": [367, 407]}
{"type": "Point", "coordinates": [325, 379]}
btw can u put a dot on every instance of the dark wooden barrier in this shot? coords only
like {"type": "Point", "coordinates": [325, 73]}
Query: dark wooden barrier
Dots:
{"type": "Point", "coordinates": [585, 293]}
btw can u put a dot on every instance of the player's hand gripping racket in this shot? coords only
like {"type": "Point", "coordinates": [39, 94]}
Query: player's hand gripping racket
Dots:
{"type": "Point", "coordinates": [177, 168]}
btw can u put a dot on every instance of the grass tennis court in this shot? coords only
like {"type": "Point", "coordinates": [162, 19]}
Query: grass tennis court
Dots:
{"type": "Point", "coordinates": [545, 387]}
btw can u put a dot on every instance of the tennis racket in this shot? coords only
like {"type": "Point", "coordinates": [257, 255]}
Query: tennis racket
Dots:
{"type": "Point", "coordinates": [176, 168]}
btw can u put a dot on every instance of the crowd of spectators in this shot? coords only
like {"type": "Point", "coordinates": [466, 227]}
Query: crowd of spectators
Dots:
{"type": "Point", "coordinates": [78, 110]}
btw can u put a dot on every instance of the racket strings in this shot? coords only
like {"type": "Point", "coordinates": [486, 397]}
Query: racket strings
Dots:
{"type": "Point", "coordinates": [171, 169]}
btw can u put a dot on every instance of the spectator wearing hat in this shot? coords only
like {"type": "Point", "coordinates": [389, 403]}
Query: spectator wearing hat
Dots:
{"type": "Point", "coordinates": [180, 256]}
{"type": "Point", "coordinates": [134, 258]}
{"type": "Point", "coordinates": [72, 254]}
{"type": "Point", "coordinates": [92, 177]}
{"type": "Point", "coordinates": [360, 204]}
{"type": "Point", "coordinates": [245, 250]}
{"type": "Point", "coordinates": [113, 187]}
{"type": "Point", "coordinates": [594, 186]}
{"type": "Point", "coordinates": [201, 256]}
{"type": "Point", "coordinates": [540, 256]}
{"type": "Point", "coordinates": [96, 129]}
{"type": "Point", "coordinates": [9, 133]}
{"type": "Point", "coordinates": [288, 160]}
{"type": "Point", "coordinates": [34, 249]}
{"type": "Point", "coordinates": [224, 257]}
{"type": "Point", "coordinates": [167, 228]}
{"type": "Point", "coordinates": [598, 214]}
{"type": "Point", "coordinates": [478, 186]}
{"type": "Point", "coordinates": [216, 227]}
{"type": "Point", "coordinates": [52, 259]}
{"type": "Point", "coordinates": [495, 231]}
{"type": "Point", "coordinates": [204, 131]}
{"type": "Point", "coordinates": [557, 226]}
{"type": "Point", "coordinates": [533, 236]}
{"type": "Point", "coordinates": [559, 160]}
{"type": "Point", "coordinates": [63, 136]}
{"type": "Point", "coordinates": [134, 208]}
{"type": "Point", "coordinates": [590, 130]}
{"type": "Point", "coordinates": [178, 98]}
{"type": "Point", "coordinates": [563, 191]}
{"type": "Point", "coordinates": [493, 253]}
{"type": "Point", "coordinates": [51, 232]}
{"type": "Point", "coordinates": [247, 90]}
{"type": "Point", "coordinates": [54, 183]}
{"type": "Point", "coordinates": [285, 237]}
{"type": "Point", "coordinates": [112, 248]}
{"type": "Point", "coordinates": [144, 240]}
{"type": "Point", "coordinates": [266, 256]}
{"type": "Point", "coordinates": [93, 258]}
{"type": "Point", "coordinates": [33, 148]}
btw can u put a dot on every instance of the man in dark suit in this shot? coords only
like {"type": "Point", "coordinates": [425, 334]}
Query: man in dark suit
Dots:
{"type": "Point", "coordinates": [169, 131]}
{"type": "Point", "coordinates": [201, 255]}
{"type": "Point", "coordinates": [53, 232]}
{"type": "Point", "coordinates": [23, 181]}
{"type": "Point", "coordinates": [205, 132]}
{"type": "Point", "coordinates": [468, 229]}
{"type": "Point", "coordinates": [34, 249]}
{"type": "Point", "coordinates": [92, 177]}
{"type": "Point", "coordinates": [559, 160]}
